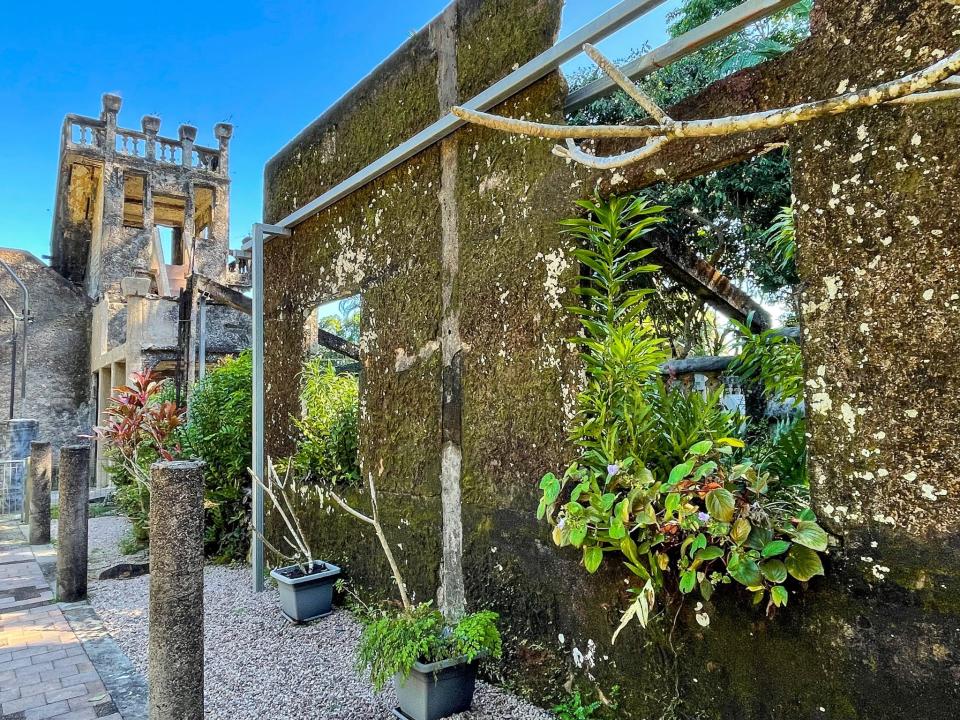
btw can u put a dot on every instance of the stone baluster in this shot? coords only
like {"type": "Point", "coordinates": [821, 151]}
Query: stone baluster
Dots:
{"type": "Point", "coordinates": [72, 525]}
{"type": "Point", "coordinates": [41, 475]}
{"type": "Point", "coordinates": [175, 647]}
{"type": "Point", "coordinates": [223, 131]}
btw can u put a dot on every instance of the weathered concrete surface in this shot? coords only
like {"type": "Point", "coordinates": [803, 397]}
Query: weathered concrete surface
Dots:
{"type": "Point", "coordinates": [862, 643]}
{"type": "Point", "coordinates": [175, 654]}
{"type": "Point", "coordinates": [40, 478]}
{"type": "Point", "coordinates": [57, 342]}
{"type": "Point", "coordinates": [72, 525]}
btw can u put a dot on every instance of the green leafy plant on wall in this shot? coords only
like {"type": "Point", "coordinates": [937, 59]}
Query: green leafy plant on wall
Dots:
{"type": "Point", "coordinates": [712, 518]}
{"type": "Point", "coordinates": [329, 431]}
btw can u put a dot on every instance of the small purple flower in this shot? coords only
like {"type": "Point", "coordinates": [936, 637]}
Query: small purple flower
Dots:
{"type": "Point", "coordinates": [612, 470]}
{"type": "Point", "coordinates": [704, 517]}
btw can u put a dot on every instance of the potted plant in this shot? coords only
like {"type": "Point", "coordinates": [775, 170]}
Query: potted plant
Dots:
{"type": "Point", "coordinates": [431, 659]}
{"type": "Point", "coordinates": [305, 586]}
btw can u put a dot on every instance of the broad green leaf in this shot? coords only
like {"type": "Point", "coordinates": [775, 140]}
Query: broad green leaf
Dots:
{"type": "Point", "coordinates": [550, 485]}
{"type": "Point", "coordinates": [629, 548]}
{"type": "Point", "coordinates": [810, 535]}
{"type": "Point", "coordinates": [680, 472]}
{"type": "Point", "coordinates": [708, 553]}
{"type": "Point", "coordinates": [720, 504]}
{"type": "Point", "coordinates": [746, 572]}
{"type": "Point", "coordinates": [578, 534]}
{"type": "Point", "coordinates": [774, 570]}
{"type": "Point", "coordinates": [740, 531]}
{"type": "Point", "coordinates": [592, 556]}
{"type": "Point", "coordinates": [803, 563]}
{"type": "Point", "coordinates": [778, 594]}
{"type": "Point", "coordinates": [688, 581]}
{"type": "Point", "coordinates": [706, 469]}
{"type": "Point", "coordinates": [701, 448]}
{"type": "Point", "coordinates": [617, 530]}
{"type": "Point", "coordinates": [774, 548]}
{"type": "Point", "coordinates": [706, 589]}
{"type": "Point", "coordinates": [671, 504]}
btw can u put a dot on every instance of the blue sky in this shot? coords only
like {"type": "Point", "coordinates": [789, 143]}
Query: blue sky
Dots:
{"type": "Point", "coordinates": [270, 68]}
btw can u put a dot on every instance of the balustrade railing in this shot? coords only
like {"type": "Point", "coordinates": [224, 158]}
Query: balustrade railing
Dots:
{"type": "Point", "coordinates": [85, 133]}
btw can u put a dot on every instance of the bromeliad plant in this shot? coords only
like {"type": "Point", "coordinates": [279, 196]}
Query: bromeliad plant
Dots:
{"type": "Point", "coordinates": [712, 518]}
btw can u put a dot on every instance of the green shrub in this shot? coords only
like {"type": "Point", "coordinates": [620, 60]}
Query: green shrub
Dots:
{"type": "Point", "coordinates": [327, 449]}
{"type": "Point", "coordinates": [391, 644]}
{"type": "Point", "coordinates": [219, 432]}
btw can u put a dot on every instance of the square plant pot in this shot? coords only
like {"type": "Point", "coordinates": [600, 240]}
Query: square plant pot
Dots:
{"type": "Point", "coordinates": [436, 690]}
{"type": "Point", "coordinates": [306, 598]}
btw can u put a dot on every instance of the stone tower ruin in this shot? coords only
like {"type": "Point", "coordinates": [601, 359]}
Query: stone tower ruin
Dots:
{"type": "Point", "coordinates": [140, 226]}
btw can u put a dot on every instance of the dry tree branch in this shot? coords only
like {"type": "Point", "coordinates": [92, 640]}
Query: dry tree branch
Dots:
{"type": "Point", "coordinates": [378, 529]}
{"type": "Point", "coordinates": [907, 90]}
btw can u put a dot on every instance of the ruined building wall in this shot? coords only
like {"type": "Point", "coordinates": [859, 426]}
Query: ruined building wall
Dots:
{"type": "Point", "coordinates": [57, 341]}
{"type": "Point", "coordinates": [463, 271]}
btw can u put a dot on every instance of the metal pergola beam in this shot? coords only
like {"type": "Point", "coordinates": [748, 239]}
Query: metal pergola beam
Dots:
{"type": "Point", "coordinates": [679, 47]}
{"type": "Point", "coordinates": [523, 77]}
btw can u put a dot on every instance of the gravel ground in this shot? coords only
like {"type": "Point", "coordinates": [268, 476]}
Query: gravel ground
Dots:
{"type": "Point", "coordinates": [258, 664]}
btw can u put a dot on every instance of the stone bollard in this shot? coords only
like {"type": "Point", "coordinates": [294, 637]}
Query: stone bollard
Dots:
{"type": "Point", "coordinates": [175, 651]}
{"type": "Point", "coordinates": [38, 491]}
{"type": "Point", "coordinates": [72, 526]}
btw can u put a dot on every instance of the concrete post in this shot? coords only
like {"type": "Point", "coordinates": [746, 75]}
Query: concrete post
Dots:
{"type": "Point", "coordinates": [175, 652]}
{"type": "Point", "coordinates": [41, 475]}
{"type": "Point", "coordinates": [72, 527]}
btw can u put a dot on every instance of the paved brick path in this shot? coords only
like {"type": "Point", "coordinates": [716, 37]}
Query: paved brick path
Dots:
{"type": "Point", "coordinates": [44, 670]}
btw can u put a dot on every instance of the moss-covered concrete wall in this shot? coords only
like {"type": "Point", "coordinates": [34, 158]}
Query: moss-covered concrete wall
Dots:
{"type": "Point", "coordinates": [468, 385]}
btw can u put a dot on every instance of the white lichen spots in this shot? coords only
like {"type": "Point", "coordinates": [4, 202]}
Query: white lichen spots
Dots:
{"type": "Point", "coordinates": [911, 413]}
{"type": "Point", "coordinates": [884, 519]}
{"type": "Point", "coordinates": [865, 328]}
{"type": "Point", "coordinates": [856, 157]}
{"type": "Point", "coordinates": [556, 264]}
{"type": "Point", "coordinates": [618, 179]}
{"type": "Point", "coordinates": [916, 140]}
{"type": "Point", "coordinates": [833, 285]}
{"type": "Point", "coordinates": [851, 211]}
{"type": "Point", "coordinates": [862, 133]}
{"type": "Point", "coordinates": [842, 87]}
{"type": "Point", "coordinates": [835, 189]}
{"type": "Point", "coordinates": [931, 493]}
{"type": "Point", "coordinates": [928, 294]}
{"type": "Point", "coordinates": [880, 571]}
{"type": "Point", "coordinates": [849, 416]}
{"type": "Point", "coordinates": [886, 241]}
{"type": "Point", "coordinates": [914, 220]}
{"type": "Point", "coordinates": [910, 476]}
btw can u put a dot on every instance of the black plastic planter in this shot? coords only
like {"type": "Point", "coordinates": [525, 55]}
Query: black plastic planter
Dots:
{"type": "Point", "coordinates": [436, 690]}
{"type": "Point", "coordinates": [306, 598]}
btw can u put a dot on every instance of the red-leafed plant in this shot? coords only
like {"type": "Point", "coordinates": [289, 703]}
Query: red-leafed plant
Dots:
{"type": "Point", "coordinates": [141, 428]}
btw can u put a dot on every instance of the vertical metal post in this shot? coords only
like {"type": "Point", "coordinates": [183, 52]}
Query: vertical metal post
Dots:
{"type": "Point", "coordinates": [258, 442]}
{"type": "Point", "coordinates": [203, 337]}
{"type": "Point", "coordinates": [258, 237]}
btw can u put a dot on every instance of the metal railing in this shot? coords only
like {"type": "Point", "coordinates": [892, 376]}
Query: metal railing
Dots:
{"type": "Point", "coordinates": [13, 476]}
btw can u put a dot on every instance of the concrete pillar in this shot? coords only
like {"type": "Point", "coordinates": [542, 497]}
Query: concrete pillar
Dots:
{"type": "Point", "coordinates": [175, 652]}
{"type": "Point", "coordinates": [41, 475]}
{"type": "Point", "coordinates": [72, 527]}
